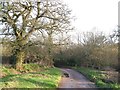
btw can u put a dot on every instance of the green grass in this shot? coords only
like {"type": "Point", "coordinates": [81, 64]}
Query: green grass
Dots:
{"type": "Point", "coordinates": [97, 77]}
{"type": "Point", "coordinates": [47, 78]}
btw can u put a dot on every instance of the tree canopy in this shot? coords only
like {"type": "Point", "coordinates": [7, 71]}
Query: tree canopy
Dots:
{"type": "Point", "coordinates": [22, 18]}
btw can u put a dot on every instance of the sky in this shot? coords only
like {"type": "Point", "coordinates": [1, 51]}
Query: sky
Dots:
{"type": "Point", "coordinates": [98, 15]}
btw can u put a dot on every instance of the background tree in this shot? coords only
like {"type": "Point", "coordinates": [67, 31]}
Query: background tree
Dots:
{"type": "Point", "coordinates": [93, 49]}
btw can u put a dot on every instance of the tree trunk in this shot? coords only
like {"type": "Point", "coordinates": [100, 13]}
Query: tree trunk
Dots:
{"type": "Point", "coordinates": [20, 52]}
{"type": "Point", "coordinates": [20, 56]}
{"type": "Point", "coordinates": [50, 50]}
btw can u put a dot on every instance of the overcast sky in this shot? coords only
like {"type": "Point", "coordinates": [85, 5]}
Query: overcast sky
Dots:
{"type": "Point", "coordinates": [101, 15]}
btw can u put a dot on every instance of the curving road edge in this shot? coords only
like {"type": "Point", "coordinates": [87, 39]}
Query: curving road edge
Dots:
{"type": "Point", "coordinates": [75, 79]}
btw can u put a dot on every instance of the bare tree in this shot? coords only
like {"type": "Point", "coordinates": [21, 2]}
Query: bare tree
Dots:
{"type": "Point", "coordinates": [21, 19]}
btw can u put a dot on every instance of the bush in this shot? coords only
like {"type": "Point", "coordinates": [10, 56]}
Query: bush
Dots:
{"type": "Point", "coordinates": [100, 83]}
{"type": "Point", "coordinates": [5, 70]}
{"type": "Point", "coordinates": [31, 67]}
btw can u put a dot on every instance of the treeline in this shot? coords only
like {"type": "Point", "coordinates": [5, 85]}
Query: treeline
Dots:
{"type": "Point", "coordinates": [93, 50]}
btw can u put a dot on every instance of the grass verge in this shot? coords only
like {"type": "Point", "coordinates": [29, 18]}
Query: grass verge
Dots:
{"type": "Point", "coordinates": [47, 78]}
{"type": "Point", "coordinates": [97, 77]}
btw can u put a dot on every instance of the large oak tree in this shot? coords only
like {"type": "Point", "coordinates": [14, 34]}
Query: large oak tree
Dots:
{"type": "Point", "coordinates": [21, 19]}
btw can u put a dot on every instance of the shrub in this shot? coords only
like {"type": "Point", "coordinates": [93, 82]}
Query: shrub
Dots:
{"type": "Point", "coordinates": [31, 67]}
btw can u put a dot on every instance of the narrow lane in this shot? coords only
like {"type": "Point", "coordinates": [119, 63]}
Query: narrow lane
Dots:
{"type": "Point", "coordinates": [75, 80]}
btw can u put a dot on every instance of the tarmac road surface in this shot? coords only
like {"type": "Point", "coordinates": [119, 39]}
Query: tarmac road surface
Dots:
{"type": "Point", "coordinates": [74, 79]}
